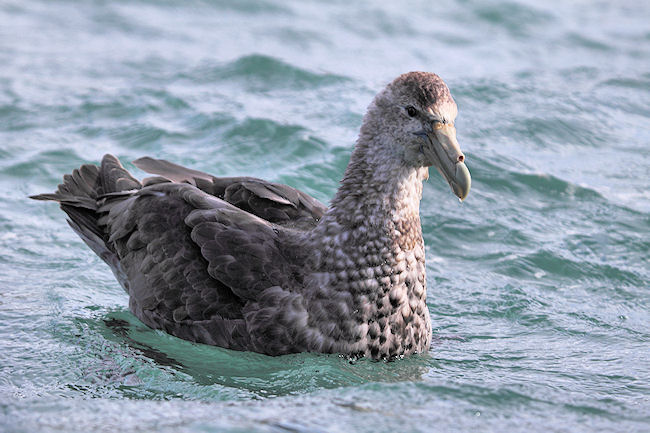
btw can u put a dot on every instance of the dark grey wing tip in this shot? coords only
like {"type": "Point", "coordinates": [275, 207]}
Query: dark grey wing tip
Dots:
{"type": "Point", "coordinates": [43, 197]}
{"type": "Point", "coordinates": [174, 172]}
{"type": "Point", "coordinates": [142, 162]}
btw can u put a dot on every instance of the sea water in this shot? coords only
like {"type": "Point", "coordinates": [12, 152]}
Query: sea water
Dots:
{"type": "Point", "coordinates": [538, 284]}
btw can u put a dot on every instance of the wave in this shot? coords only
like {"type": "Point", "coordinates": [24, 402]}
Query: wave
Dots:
{"type": "Point", "coordinates": [263, 72]}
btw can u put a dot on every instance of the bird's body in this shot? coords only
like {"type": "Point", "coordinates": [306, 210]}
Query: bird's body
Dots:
{"type": "Point", "coordinates": [251, 265]}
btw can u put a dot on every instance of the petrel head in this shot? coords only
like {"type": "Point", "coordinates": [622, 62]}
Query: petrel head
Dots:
{"type": "Point", "coordinates": [417, 114]}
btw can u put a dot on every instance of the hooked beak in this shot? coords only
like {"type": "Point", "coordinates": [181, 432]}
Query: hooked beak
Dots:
{"type": "Point", "coordinates": [442, 151]}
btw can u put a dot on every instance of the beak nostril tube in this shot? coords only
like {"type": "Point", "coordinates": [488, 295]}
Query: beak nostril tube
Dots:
{"type": "Point", "coordinates": [461, 158]}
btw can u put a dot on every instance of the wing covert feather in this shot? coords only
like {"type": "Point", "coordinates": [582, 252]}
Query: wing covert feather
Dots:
{"type": "Point", "coordinates": [273, 202]}
{"type": "Point", "coordinates": [167, 276]}
{"type": "Point", "coordinates": [241, 250]}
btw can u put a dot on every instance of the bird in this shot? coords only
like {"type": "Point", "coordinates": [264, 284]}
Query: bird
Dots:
{"type": "Point", "coordinates": [251, 265]}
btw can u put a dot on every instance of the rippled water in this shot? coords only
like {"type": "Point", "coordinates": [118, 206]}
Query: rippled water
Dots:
{"type": "Point", "coordinates": [538, 283]}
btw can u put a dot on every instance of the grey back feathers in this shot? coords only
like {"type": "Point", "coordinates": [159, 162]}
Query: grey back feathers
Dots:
{"type": "Point", "coordinates": [253, 265]}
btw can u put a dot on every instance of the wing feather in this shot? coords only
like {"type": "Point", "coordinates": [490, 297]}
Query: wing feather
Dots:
{"type": "Point", "coordinates": [242, 250]}
{"type": "Point", "coordinates": [273, 202]}
{"type": "Point", "coordinates": [167, 276]}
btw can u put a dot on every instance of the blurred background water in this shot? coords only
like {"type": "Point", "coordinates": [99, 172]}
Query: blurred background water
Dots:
{"type": "Point", "coordinates": [538, 283]}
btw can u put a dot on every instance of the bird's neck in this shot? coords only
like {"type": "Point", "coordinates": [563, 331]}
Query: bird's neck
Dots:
{"type": "Point", "coordinates": [375, 188]}
{"type": "Point", "coordinates": [378, 200]}
{"type": "Point", "coordinates": [367, 257]}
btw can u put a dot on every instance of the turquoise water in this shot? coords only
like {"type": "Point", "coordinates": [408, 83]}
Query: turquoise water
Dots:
{"type": "Point", "coordinates": [538, 283]}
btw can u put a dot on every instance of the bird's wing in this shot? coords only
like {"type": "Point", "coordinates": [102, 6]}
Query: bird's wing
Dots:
{"type": "Point", "coordinates": [190, 258]}
{"type": "Point", "coordinates": [274, 202]}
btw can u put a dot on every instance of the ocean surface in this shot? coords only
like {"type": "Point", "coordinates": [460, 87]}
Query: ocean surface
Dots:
{"type": "Point", "coordinates": [538, 284]}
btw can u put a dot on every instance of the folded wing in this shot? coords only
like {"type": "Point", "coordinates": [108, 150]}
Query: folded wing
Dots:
{"type": "Point", "coordinates": [274, 202]}
{"type": "Point", "coordinates": [192, 261]}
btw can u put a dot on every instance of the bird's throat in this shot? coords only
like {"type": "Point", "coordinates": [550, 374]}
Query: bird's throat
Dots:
{"type": "Point", "coordinates": [378, 204]}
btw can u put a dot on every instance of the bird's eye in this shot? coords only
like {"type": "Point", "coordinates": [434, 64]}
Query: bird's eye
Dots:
{"type": "Point", "coordinates": [411, 111]}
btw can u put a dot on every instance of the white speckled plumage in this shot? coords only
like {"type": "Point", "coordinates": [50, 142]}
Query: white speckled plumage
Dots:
{"type": "Point", "coordinates": [250, 265]}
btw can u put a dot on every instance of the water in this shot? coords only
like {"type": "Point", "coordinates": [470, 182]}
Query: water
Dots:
{"type": "Point", "coordinates": [538, 283]}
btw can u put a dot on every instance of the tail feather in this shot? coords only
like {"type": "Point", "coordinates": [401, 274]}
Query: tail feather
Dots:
{"type": "Point", "coordinates": [81, 195]}
{"type": "Point", "coordinates": [115, 178]}
{"type": "Point", "coordinates": [89, 182]}
{"type": "Point", "coordinates": [86, 220]}
{"type": "Point", "coordinates": [79, 189]}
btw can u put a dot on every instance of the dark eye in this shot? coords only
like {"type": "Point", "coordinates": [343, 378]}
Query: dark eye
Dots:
{"type": "Point", "coordinates": [411, 111]}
